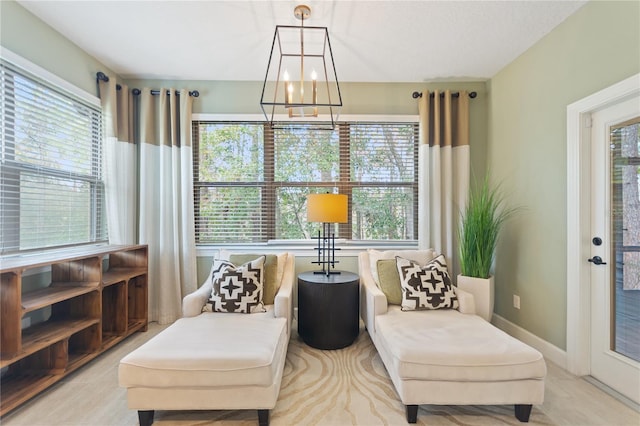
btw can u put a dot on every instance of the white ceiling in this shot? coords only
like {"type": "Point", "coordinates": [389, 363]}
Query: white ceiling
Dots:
{"type": "Point", "coordinates": [372, 41]}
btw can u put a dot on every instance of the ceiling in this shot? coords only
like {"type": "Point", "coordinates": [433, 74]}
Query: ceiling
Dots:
{"type": "Point", "coordinates": [372, 41]}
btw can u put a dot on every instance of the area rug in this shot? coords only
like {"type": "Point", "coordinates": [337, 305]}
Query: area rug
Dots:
{"type": "Point", "coordinates": [349, 386]}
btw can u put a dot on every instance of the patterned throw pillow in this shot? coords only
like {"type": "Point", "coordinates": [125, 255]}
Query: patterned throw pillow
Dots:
{"type": "Point", "coordinates": [270, 281]}
{"type": "Point", "coordinates": [237, 289]}
{"type": "Point", "coordinates": [426, 287]}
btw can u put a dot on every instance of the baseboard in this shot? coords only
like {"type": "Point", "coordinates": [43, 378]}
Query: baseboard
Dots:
{"type": "Point", "coordinates": [548, 350]}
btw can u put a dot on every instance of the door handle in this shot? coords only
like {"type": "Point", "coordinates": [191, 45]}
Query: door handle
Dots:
{"type": "Point", "coordinates": [597, 260]}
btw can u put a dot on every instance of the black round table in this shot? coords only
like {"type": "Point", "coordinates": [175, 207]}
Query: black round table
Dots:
{"type": "Point", "coordinates": [328, 309]}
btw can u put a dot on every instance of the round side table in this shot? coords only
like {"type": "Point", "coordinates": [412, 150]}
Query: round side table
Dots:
{"type": "Point", "coordinates": [328, 309]}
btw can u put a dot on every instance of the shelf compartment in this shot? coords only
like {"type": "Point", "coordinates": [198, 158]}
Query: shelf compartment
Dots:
{"type": "Point", "coordinates": [84, 306]}
{"type": "Point", "coordinates": [42, 335]}
{"type": "Point", "coordinates": [77, 271]}
{"type": "Point", "coordinates": [116, 275]}
{"type": "Point", "coordinates": [134, 258]}
{"type": "Point", "coordinates": [137, 296]}
{"type": "Point", "coordinates": [109, 340]}
{"type": "Point", "coordinates": [136, 325]}
{"type": "Point", "coordinates": [114, 309]}
{"type": "Point", "coordinates": [47, 296]}
{"type": "Point", "coordinates": [86, 341]}
{"type": "Point", "coordinates": [78, 360]}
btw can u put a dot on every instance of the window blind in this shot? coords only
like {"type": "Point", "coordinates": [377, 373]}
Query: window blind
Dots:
{"type": "Point", "coordinates": [51, 187]}
{"type": "Point", "coordinates": [251, 181]}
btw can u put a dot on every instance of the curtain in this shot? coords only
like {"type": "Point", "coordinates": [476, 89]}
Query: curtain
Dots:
{"type": "Point", "coordinates": [443, 171]}
{"type": "Point", "coordinates": [166, 218]}
{"type": "Point", "coordinates": [120, 162]}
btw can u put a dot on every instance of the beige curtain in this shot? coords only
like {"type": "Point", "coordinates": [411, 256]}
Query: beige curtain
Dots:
{"type": "Point", "coordinates": [166, 200]}
{"type": "Point", "coordinates": [120, 162]}
{"type": "Point", "coordinates": [444, 168]}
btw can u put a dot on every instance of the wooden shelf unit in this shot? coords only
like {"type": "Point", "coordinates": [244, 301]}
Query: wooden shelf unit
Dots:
{"type": "Point", "coordinates": [97, 296]}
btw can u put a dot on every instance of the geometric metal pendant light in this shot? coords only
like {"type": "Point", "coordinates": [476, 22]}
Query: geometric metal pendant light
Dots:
{"type": "Point", "coordinates": [301, 84]}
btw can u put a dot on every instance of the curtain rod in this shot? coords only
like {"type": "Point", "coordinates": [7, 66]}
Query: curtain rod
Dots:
{"type": "Point", "coordinates": [100, 76]}
{"type": "Point", "coordinates": [416, 95]}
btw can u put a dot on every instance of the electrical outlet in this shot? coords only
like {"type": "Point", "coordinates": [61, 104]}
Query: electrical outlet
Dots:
{"type": "Point", "coordinates": [516, 301]}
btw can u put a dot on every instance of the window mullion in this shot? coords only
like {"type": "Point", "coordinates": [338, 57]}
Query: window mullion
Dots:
{"type": "Point", "coordinates": [416, 146]}
{"type": "Point", "coordinates": [269, 188]}
{"type": "Point", "coordinates": [195, 143]}
{"type": "Point", "coordinates": [344, 186]}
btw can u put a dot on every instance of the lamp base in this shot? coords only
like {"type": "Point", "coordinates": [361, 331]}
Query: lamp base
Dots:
{"type": "Point", "coordinates": [326, 251]}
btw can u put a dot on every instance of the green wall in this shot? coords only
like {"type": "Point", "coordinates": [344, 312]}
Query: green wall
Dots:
{"type": "Point", "coordinates": [26, 35]}
{"type": "Point", "coordinates": [594, 48]}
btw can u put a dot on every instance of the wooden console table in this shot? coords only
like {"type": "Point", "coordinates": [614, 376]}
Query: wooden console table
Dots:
{"type": "Point", "coordinates": [96, 297]}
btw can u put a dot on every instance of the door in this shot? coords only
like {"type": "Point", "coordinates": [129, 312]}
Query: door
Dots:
{"type": "Point", "coordinates": [615, 247]}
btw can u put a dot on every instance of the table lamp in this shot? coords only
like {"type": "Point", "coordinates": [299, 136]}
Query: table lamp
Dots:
{"type": "Point", "coordinates": [327, 209]}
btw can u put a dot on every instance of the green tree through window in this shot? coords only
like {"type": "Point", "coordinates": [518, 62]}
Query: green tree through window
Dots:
{"type": "Point", "coordinates": [251, 181]}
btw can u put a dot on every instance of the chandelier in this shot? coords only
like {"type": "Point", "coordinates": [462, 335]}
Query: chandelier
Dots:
{"type": "Point", "coordinates": [301, 84]}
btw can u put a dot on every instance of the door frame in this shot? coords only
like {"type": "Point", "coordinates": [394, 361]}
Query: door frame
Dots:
{"type": "Point", "coordinates": [579, 218]}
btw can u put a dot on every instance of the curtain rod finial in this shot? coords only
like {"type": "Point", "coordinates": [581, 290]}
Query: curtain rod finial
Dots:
{"type": "Point", "coordinates": [416, 95]}
{"type": "Point", "coordinates": [100, 76]}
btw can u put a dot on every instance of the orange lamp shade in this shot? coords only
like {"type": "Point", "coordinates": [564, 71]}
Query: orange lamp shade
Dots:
{"type": "Point", "coordinates": [327, 208]}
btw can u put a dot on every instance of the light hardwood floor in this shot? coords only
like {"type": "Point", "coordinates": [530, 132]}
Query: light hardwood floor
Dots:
{"type": "Point", "coordinates": [327, 393]}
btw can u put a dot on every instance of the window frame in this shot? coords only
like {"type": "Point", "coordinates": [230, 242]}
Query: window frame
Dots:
{"type": "Point", "coordinates": [95, 180]}
{"type": "Point", "coordinates": [304, 246]}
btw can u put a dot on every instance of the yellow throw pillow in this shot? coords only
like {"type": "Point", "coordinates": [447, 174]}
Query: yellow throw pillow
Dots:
{"type": "Point", "coordinates": [390, 281]}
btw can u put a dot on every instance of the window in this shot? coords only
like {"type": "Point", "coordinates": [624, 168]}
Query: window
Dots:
{"type": "Point", "coordinates": [51, 191]}
{"type": "Point", "coordinates": [251, 181]}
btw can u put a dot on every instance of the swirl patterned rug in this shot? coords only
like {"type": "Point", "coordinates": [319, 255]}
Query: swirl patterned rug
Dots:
{"type": "Point", "coordinates": [345, 387]}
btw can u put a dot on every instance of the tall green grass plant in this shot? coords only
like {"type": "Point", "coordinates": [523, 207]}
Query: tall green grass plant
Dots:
{"type": "Point", "coordinates": [482, 220]}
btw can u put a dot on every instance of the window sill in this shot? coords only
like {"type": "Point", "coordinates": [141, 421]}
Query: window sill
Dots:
{"type": "Point", "coordinates": [344, 248]}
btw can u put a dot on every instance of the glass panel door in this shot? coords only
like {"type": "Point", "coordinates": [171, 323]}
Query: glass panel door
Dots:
{"type": "Point", "coordinates": [625, 233]}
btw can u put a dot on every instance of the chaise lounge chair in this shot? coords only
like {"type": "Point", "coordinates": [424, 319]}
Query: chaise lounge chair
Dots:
{"type": "Point", "coordinates": [214, 360]}
{"type": "Point", "coordinates": [446, 356]}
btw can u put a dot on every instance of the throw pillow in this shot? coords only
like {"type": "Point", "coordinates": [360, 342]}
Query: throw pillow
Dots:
{"type": "Point", "coordinates": [270, 286]}
{"type": "Point", "coordinates": [426, 287]}
{"type": "Point", "coordinates": [271, 282]}
{"type": "Point", "coordinates": [420, 256]}
{"type": "Point", "coordinates": [237, 289]}
{"type": "Point", "coordinates": [390, 281]}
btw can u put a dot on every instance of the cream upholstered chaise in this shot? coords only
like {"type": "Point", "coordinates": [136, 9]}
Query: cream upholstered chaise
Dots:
{"type": "Point", "coordinates": [213, 360]}
{"type": "Point", "coordinates": [445, 356]}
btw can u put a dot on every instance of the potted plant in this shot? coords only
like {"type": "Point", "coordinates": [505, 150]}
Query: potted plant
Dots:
{"type": "Point", "coordinates": [480, 225]}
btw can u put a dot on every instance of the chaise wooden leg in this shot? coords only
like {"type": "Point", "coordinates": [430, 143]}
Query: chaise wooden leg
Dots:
{"type": "Point", "coordinates": [263, 417]}
{"type": "Point", "coordinates": [412, 413]}
{"type": "Point", "coordinates": [145, 417]}
{"type": "Point", "coordinates": [523, 411]}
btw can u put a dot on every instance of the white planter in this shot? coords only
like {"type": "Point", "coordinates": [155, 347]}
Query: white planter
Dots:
{"type": "Point", "coordinates": [483, 293]}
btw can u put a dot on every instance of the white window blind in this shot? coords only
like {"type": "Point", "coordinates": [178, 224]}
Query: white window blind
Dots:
{"type": "Point", "coordinates": [51, 191]}
{"type": "Point", "coordinates": [251, 181]}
